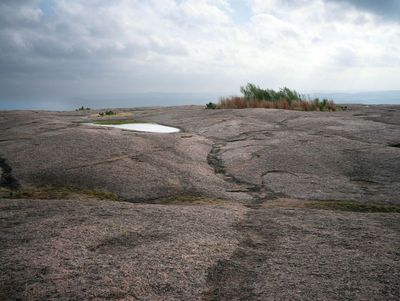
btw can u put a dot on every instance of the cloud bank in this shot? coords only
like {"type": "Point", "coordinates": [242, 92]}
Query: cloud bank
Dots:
{"type": "Point", "coordinates": [67, 48]}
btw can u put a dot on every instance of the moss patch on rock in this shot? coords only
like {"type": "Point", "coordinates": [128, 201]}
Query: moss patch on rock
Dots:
{"type": "Point", "coordinates": [186, 200]}
{"type": "Point", "coordinates": [352, 206]}
{"type": "Point", "coordinates": [57, 193]}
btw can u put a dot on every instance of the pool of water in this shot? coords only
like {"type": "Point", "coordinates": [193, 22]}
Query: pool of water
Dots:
{"type": "Point", "coordinates": [142, 127]}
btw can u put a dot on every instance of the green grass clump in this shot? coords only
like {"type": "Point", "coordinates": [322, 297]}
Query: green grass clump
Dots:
{"type": "Point", "coordinates": [116, 121]}
{"type": "Point", "coordinates": [284, 98]}
{"type": "Point", "coordinates": [107, 113]}
{"type": "Point", "coordinates": [352, 206]}
{"type": "Point", "coordinates": [56, 193]}
{"type": "Point", "coordinates": [211, 106]}
{"type": "Point", "coordinates": [251, 91]}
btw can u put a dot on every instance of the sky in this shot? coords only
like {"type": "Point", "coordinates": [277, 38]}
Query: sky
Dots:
{"type": "Point", "coordinates": [66, 49]}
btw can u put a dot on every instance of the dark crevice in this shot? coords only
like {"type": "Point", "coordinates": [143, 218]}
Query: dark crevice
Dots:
{"type": "Point", "coordinates": [6, 178]}
{"type": "Point", "coordinates": [395, 145]}
{"type": "Point", "coordinates": [278, 171]}
{"type": "Point", "coordinates": [215, 161]}
{"type": "Point", "coordinates": [127, 240]}
{"type": "Point", "coordinates": [259, 192]}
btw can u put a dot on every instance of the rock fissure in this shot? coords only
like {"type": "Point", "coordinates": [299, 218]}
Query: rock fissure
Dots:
{"type": "Point", "coordinates": [215, 161]}
{"type": "Point", "coordinates": [259, 192]}
{"type": "Point", "coordinates": [109, 160]}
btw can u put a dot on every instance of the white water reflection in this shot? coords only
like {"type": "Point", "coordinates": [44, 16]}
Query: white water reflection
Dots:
{"type": "Point", "coordinates": [142, 127]}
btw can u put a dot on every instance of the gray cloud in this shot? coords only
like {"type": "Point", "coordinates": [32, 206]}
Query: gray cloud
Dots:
{"type": "Point", "coordinates": [386, 9]}
{"type": "Point", "coordinates": [72, 41]}
{"type": "Point", "coordinates": [345, 57]}
{"type": "Point", "coordinates": [69, 47]}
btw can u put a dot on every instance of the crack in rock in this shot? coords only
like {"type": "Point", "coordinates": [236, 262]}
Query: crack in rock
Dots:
{"type": "Point", "coordinates": [278, 171]}
{"type": "Point", "coordinates": [105, 161]}
{"type": "Point", "coordinates": [258, 191]}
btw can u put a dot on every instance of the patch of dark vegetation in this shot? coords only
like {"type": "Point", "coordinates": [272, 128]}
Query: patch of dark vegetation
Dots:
{"type": "Point", "coordinates": [284, 98]}
{"type": "Point", "coordinates": [6, 178]}
{"type": "Point", "coordinates": [352, 206]}
{"type": "Point", "coordinates": [56, 193]}
{"type": "Point", "coordinates": [211, 106]}
{"type": "Point", "coordinates": [185, 200]}
{"type": "Point", "coordinates": [116, 121]}
{"type": "Point", "coordinates": [82, 108]}
{"type": "Point", "coordinates": [107, 113]}
{"type": "Point", "coordinates": [395, 145]}
{"type": "Point", "coordinates": [126, 240]}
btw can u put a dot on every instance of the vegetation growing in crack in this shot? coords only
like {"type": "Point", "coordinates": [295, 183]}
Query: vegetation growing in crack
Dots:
{"type": "Point", "coordinates": [284, 98]}
{"type": "Point", "coordinates": [352, 206]}
{"type": "Point", "coordinates": [185, 200]}
{"type": "Point", "coordinates": [51, 192]}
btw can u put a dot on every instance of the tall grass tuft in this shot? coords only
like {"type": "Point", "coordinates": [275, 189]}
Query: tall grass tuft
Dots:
{"type": "Point", "coordinates": [284, 98]}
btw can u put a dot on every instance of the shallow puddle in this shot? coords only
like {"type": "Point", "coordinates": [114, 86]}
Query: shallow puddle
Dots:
{"type": "Point", "coordinates": [142, 127]}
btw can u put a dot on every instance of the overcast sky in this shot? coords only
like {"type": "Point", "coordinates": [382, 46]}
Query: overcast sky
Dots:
{"type": "Point", "coordinates": [67, 48]}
